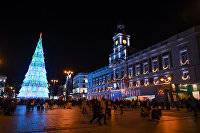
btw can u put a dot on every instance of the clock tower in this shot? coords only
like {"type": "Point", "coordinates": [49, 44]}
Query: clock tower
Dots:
{"type": "Point", "coordinates": [121, 42]}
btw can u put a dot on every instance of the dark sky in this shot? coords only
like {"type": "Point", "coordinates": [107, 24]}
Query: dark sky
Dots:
{"type": "Point", "coordinates": [78, 36]}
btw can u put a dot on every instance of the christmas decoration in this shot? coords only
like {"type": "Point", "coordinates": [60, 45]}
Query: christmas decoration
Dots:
{"type": "Point", "coordinates": [35, 84]}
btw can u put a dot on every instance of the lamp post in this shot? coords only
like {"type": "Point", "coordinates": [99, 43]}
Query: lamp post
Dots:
{"type": "Point", "coordinates": [54, 81]}
{"type": "Point", "coordinates": [69, 74]}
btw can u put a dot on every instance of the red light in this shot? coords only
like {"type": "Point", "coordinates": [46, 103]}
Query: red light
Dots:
{"type": "Point", "coordinates": [194, 87]}
{"type": "Point", "coordinates": [173, 87]}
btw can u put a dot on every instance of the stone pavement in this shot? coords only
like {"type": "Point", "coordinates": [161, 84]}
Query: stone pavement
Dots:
{"type": "Point", "coordinates": [62, 120]}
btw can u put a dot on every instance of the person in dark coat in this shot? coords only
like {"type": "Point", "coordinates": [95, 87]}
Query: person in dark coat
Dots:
{"type": "Point", "coordinates": [96, 109]}
{"type": "Point", "coordinates": [167, 105]}
{"type": "Point", "coordinates": [162, 105]}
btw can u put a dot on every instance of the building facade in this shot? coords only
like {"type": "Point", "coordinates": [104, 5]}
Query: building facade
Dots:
{"type": "Point", "coordinates": [166, 71]}
{"type": "Point", "coordinates": [97, 83]}
{"type": "Point", "coordinates": [80, 86]}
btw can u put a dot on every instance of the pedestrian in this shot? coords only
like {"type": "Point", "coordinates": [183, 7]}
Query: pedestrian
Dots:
{"type": "Point", "coordinates": [96, 112]}
{"type": "Point", "coordinates": [46, 105]}
{"type": "Point", "coordinates": [167, 105]}
{"type": "Point", "coordinates": [132, 104]}
{"type": "Point", "coordinates": [84, 105]}
{"type": "Point", "coordinates": [121, 104]}
{"type": "Point", "coordinates": [148, 106]}
{"type": "Point", "coordinates": [69, 104]}
{"type": "Point", "coordinates": [109, 109]}
{"type": "Point", "coordinates": [194, 106]}
{"type": "Point", "coordinates": [103, 108]}
{"type": "Point", "coordinates": [138, 104]}
{"type": "Point", "coordinates": [162, 104]}
{"type": "Point", "coordinates": [12, 107]}
{"type": "Point", "coordinates": [177, 104]}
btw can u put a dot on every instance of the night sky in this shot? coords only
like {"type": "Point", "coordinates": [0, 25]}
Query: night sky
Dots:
{"type": "Point", "coordinates": [78, 36]}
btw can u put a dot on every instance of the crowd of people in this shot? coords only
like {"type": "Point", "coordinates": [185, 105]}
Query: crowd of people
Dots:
{"type": "Point", "coordinates": [101, 109]}
{"type": "Point", "coordinates": [8, 106]}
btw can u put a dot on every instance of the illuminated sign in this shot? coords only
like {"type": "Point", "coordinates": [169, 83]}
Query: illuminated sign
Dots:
{"type": "Point", "coordinates": [173, 87]}
{"type": "Point", "coordinates": [130, 92]}
{"type": "Point", "coordinates": [194, 87]}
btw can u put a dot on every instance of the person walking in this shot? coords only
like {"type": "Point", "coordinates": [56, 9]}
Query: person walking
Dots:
{"type": "Point", "coordinates": [46, 105]}
{"type": "Point", "coordinates": [103, 108]}
{"type": "Point", "coordinates": [162, 104]}
{"type": "Point", "coordinates": [167, 105]}
{"type": "Point", "coordinates": [96, 109]}
{"type": "Point", "coordinates": [194, 106]}
{"type": "Point", "coordinates": [121, 104]}
{"type": "Point", "coordinates": [84, 105]}
{"type": "Point", "coordinates": [109, 109]}
{"type": "Point", "coordinates": [12, 107]}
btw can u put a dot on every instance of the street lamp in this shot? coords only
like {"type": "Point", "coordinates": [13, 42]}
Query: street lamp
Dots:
{"type": "Point", "coordinates": [54, 81]}
{"type": "Point", "coordinates": [69, 73]}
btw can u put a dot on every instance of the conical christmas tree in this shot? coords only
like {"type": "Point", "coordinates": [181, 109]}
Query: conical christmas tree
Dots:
{"type": "Point", "coordinates": [35, 84]}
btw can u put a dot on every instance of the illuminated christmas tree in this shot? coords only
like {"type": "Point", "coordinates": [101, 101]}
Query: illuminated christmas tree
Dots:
{"type": "Point", "coordinates": [35, 84]}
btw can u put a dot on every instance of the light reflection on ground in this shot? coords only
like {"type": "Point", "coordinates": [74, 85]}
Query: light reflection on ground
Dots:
{"type": "Point", "coordinates": [72, 120]}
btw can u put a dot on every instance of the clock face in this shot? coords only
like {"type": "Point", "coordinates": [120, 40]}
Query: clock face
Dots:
{"type": "Point", "coordinates": [124, 42]}
{"type": "Point", "coordinates": [116, 42]}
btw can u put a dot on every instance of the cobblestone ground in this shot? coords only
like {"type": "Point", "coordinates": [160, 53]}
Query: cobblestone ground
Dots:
{"type": "Point", "coordinates": [61, 120]}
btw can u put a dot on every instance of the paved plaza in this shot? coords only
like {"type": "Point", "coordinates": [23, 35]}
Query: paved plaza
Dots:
{"type": "Point", "coordinates": [61, 120]}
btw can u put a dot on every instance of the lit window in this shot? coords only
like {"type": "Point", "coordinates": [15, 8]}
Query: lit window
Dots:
{"type": "Point", "coordinates": [100, 81]}
{"type": "Point", "coordinates": [146, 68]}
{"type": "Point", "coordinates": [155, 65]}
{"type": "Point", "coordinates": [93, 82]}
{"type": "Point", "coordinates": [184, 57]}
{"type": "Point", "coordinates": [131, 84]}
{"type": "Point", "coordinates": [122, 73]}
{"type": "Point", "coordinates": [137, 83]}
{"type": "Point", "coordinates": [104, 79]}
{"type": "Point", "coordinates": [146, 82]}
{"type": "Point", "coordinates": [116, 75]}
{"type": "Point", "coordinates": [130, 71]}
{"type": "Point", "coordinates": [97, 81]}
{"type": "Point", "coordinates": [185, 75]}
{"type": "Point", "coordinates": [166, 62]}
{"type": "Point", "coordinates": [137, 70]}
